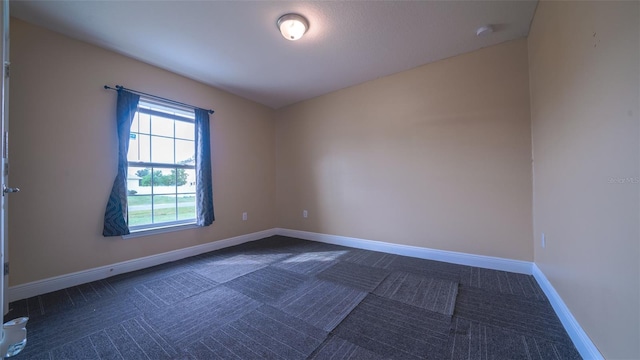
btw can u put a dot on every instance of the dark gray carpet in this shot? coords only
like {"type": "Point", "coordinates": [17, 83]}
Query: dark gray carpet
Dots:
{"type": "Point", "coordinates": [369, 258]}
{"type": "Point", "coordinates": [311, 263]}
{"type": "Point", "coordinates": [265, 333]}
{"type": "Point", "coordinates": [335, 348]}
{"type": "Point", "coordinates": [268, 284]}
{"type": "Point", "coordinates": [200, 314]}
{"type": "Point", "coordinates": [233, 267]}
{"type": "Point", "coordinates": [504, 282]}
{"type": "Point", "coordinates": [320, 303]}
{"type": "Point", "coordinates": [365, 278]}
{"type": "Point", "coordinates": [169, 290]}
{"type": "Point", "coordinates": [431, 269]}
{"type": "Point", "coordinates": [285, 298]}
{"type": "Point", "coordinates": [519, 314]}
{"type": "Point", "coordinates": [132, 339]}
{"type": "Point", "coordinates": [396, 330]}
{"type": "Point", "coordinates": [473, 340]}
{"type": "Point", "coordinates": [54, 330]}
{"type": "Point", "coordinates": [427, 293]}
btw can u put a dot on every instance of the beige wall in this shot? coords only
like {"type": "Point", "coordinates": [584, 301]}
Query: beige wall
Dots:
{"type": "Point", "coordinates": [438, 156]}
{"type": "Point", "coordinates": [63, 156]}
{"type": "Point", "coordinates": [585, 76]}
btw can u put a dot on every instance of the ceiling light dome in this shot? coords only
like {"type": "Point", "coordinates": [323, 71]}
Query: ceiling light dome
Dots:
{"type": "Point", "coordinates": [485, 30]}
{"type": "Point", "coordinates": [292, 26]}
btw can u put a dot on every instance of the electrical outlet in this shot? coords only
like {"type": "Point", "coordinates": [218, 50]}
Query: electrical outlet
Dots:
{"type": "Point", "coordinates": [305, 214]}
{"type": "Point", "coordinates": [543, 240]}
{"type": "Point", "coordinates": [244, 216]}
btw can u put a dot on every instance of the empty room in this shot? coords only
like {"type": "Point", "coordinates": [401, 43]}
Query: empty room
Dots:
{"type": "Point", "coordinates": [321, 180]}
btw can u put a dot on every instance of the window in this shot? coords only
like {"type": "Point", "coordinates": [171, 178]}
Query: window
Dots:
{"type": "Point", "coordinates": [161, 181]}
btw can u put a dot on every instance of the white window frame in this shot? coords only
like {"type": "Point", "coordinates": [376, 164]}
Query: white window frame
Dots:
{"type": "Point", "coordinates": [170, 111]}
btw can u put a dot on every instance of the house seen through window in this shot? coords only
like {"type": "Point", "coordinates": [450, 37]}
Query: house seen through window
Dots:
{"type": "Point", "coordinates": [161, 175]}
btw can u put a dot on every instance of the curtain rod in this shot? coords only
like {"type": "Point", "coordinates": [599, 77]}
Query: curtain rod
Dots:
{"type": "Point", "coordinates": [120, 87]}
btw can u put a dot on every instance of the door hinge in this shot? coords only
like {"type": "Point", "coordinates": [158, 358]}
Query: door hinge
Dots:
{"type": "Point", "coordinates": [6, 268]}
{"type": "Point", "coordinates": [7, 69]}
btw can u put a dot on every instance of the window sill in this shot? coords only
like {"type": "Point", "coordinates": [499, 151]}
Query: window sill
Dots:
{"type": "Point", "coordinates": [159, 230]}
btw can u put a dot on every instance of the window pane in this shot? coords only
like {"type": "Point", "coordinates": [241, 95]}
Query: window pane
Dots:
{"type": "Point", "coordinates": [161, 126]}
{"type": "Point", "coordinates": [185, 152]}
{"type": "Point", "coordinates": [186, 206]}
{"type": "Point", "coordinates": [144, 148]}
{"type": "Point", "coordinates": [186, 181]}
{"type": "Point", "coordinates": [145, 123]}
{"type": "Point", "coordinates": [139, 180]}
{"type": "Point", "coordinates": [133, 154]}
{"type": "Point", "coordinates": [164, 208]}
{"type": "Point", "coordinates": [185, 130]}
{"type": "Point", "coordinates": [164, 181]}
{"type": "Point", "coordinates": [139, 209]}
{"type": "Point", "coordinates": [162, 150]}
{"type": "Point", "coordinates": [134, 123]}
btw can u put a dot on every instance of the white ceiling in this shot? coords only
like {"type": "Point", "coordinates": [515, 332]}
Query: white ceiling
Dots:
{"type": "Point", "coordinates": [235, 45]}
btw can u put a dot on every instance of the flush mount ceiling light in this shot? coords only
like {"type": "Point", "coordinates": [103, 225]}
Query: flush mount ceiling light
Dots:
{"type": "Point", "coordinates": [484, 30]}
{"type": "Point", "coordinates": [292, 26]}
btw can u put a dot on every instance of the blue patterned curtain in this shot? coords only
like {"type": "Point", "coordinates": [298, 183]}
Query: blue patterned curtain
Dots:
{"type": "Point", "coordinates": [204, 188]}
{"type": "Point", "coordinates": [115, 216]}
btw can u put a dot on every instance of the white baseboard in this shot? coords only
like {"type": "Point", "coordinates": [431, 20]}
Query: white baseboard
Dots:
{"type": "Point", "coordinates": [581, 340]}
{"type": "Point", "coordinates": [40, 287]}
{"type": "Point", "coordinates": [488, 262]}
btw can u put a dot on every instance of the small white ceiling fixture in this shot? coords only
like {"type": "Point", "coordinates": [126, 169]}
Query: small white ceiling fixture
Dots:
{"type": "Point", "coordinates": [484, 30]}
{"type": "Point", "coordinates": [292, 26]}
